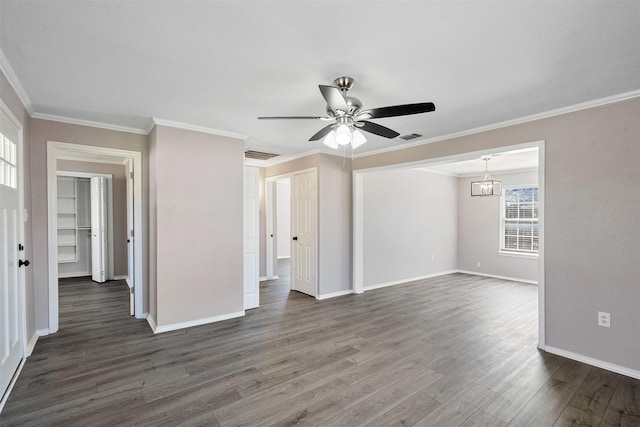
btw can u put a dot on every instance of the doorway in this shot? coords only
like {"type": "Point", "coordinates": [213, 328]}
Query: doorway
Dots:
{"type": "Point", "coordinates": [299, 214]}
{"type": "Point", "coordinates": [133, 163]}
{"type": "Point", "coordinates": [359, 273]}
{"type": "Point", "coordinates": [86, 226]}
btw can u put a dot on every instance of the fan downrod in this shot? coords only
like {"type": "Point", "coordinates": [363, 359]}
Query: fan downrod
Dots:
{"type": "Point", "coordinates": [344, 83]}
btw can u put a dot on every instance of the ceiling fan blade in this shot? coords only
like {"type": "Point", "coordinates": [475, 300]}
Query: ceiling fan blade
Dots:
{"type": "Point", "coordinates": [295, 117]}
{"type": "Point", "coordinates": [321, 133]}
{"type": "Point", "coordinates": [334, 98]}
{"type": "Point", "coordinates": [378, 129]}
{"type": "Point", "coordinates": [398, 110]}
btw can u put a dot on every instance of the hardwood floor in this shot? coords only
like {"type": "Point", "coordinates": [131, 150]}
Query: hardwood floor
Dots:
{"type": "Point", "coordinates": [456, 350]}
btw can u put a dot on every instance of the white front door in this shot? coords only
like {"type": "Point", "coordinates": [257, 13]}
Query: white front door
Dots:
{"type": "Point", "coordinates": [98, 236]}
{"type": "Point", "coordinates": [304, 232]}
{"type": "Point", "coordinates": [11, 249]}
{"type": "Point", "coordinates": [251, 237]}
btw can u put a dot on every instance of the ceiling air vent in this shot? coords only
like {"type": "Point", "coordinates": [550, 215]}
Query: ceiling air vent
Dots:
{"type": "Point", "coordinates": [410, 136]}
{"type": "Point", "coordinates": [259, 155]}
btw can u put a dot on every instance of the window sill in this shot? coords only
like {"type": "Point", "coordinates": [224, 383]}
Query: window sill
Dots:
{"type": "Point", "coordinates": [518, 255]}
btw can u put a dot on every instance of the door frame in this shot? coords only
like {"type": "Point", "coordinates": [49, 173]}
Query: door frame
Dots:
{"type": "Point", "coordinates": [358, 217]}
{"type": "Point", "coordinates": [130, 256]}
{"type": "Point", "coordinates": [270, 207]}
{"type": "Point", "coordinates": [27, 346]}
{"type": "Point", "coordinates": [139, 280]}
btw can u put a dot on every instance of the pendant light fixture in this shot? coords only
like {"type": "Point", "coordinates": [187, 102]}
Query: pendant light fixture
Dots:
{"type": "Point", "coordinates": [487, 186]}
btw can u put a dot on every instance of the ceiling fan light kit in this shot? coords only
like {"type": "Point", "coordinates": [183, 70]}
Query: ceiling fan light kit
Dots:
{"type": "Point", "coordinates": [343, 135]}
{"type": "Point", "coordinates": [350, 118]}
{"type": "Point", "coordinates": [487, 186]}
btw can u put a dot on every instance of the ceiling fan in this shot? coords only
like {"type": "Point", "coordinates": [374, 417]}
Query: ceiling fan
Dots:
{"type": "Point", "coordinates": [349, 118]}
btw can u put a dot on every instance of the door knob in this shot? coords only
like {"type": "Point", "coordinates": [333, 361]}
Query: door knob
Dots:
{"type": "Point", "coordinates": [25, 263]}
{"type": "Point", "coordinates": [295, 237]}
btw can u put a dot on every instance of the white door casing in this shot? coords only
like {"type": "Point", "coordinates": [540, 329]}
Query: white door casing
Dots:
{"type": "Point", "coordinates": [251, 227]}
{"type": "Point", "coordinates": [98, 229]}
{"type": "Point", "coordinates": [304, 224]}
{"type": "Point", "coordinates": [12, 277]}
{"type": "Point", "coordinates": [80, 151]}
{"type": "Point", "coordinates": [130, 236]}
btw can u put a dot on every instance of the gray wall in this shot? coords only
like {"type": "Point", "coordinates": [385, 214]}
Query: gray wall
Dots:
{"type": "Point", "coordinates": [592, 217]}
{"type": "Point", "coordinates": [197, 203]}
{"type": "Point", "coordinates": [479, 231]}
{"type": "Point", "coordinates": [409, 216]}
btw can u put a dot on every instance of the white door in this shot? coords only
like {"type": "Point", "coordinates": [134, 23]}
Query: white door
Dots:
{"type": "Point", "coordinates": [251, 237]}
{"type": "Point", "coordinates": [130, 236]}
{"type": "Point", "coordinates": [11, 234]}
{"type": "Point", "coordinates": [303, 234]}
{"type": "Point", "coordinates": [98, 232]}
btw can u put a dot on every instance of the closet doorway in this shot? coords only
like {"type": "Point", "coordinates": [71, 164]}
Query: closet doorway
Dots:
{"type": "Point", "coordinates": [85, 229]}
{"type": "Point", "coordinates": [131, 162]}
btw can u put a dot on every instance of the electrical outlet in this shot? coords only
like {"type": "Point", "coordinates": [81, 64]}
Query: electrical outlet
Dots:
{"type": "Point", "coordinates": [478, 264]}
{"type": "Point", "coordinates": [604, 319]}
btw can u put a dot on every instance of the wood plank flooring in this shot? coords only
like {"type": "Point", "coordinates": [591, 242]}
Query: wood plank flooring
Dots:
{"type": "Point", "coordinates": [456, 350]}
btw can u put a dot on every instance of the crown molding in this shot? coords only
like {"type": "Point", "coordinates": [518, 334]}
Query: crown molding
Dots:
{"type": "Point", "coordinates": [195, 128]}
{"type": "Point", "coordinates": [81, 122]}
{"type": "Point", "coordinates": [11, 76]}
{"type": "Point", "coordinates": [546, 114]}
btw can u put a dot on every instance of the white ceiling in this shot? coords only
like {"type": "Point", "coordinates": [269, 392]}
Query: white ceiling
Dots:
{"type": "Point", "coordinates": [220, 64]}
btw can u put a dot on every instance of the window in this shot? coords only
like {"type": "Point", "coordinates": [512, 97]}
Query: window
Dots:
{"type": "Point", "coordinates": [8, 162]}
{"type": "Point", "coordinates": [519, 220]}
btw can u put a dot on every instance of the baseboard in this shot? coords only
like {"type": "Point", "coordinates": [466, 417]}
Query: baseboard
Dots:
{"type": "Point", "coordinates": [496, 276]}
{"type": "Point", "coordinates": [191, 323]}
{"type": "Point", "coordinates": [410, 279]}
{"type": "Point", "coordinates": [334, 294]}
{"type": "Point", "coordinates": [594, 362]}
{"type": "Point", "coordinates": [32, 344]}
{"type": "Point", "coordinates": [12, 383]}
{"type": "Point", "coordinates": [152, 323]}
{"type": "Point", "coordinates": [42, 332]}
{"type": "Point", "coordinates": [121, 277]}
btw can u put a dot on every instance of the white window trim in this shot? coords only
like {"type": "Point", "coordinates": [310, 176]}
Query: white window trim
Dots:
{"type": "Point", "coordinates": [528, 255]}
{"type": "Point", "coordinates": [506, 252]}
